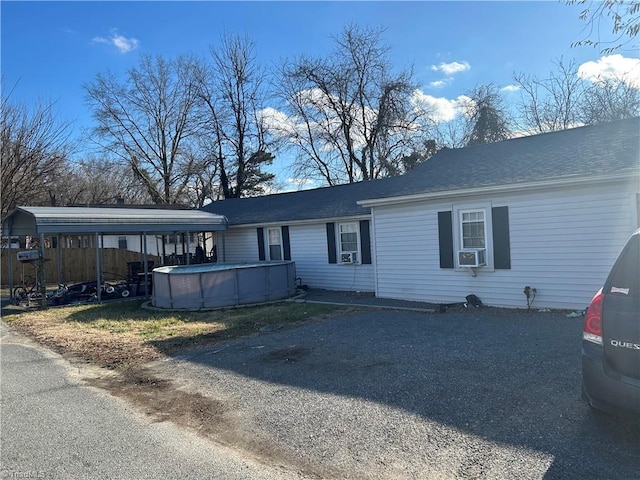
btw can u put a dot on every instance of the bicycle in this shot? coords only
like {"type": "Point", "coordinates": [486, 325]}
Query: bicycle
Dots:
{"type": "Point", "coordinates": [28, 288]}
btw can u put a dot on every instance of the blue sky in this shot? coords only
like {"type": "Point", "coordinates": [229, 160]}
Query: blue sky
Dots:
{"type": "Point", "coordinates": [50, 49]}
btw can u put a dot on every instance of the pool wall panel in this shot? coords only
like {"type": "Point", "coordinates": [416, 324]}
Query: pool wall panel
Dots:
{"type": "Point", "coordinates": [212, 286]}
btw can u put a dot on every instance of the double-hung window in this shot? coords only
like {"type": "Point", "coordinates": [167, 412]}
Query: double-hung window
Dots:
{"type": "Point", "coordinates": [473, 229]}
{"type": "Point", "coordinates": [348, 236]}
{"type": "Point", "coordinates": [274, 239]}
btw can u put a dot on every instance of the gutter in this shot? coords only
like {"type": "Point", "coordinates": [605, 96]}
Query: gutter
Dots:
{"type": "Point", "coordinates": [309, 221]}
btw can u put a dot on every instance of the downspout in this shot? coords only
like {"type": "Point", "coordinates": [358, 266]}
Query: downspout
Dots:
{"type": "Point", "coordinates": [374, 251]}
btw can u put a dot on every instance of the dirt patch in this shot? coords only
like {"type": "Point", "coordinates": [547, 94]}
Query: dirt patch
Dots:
{"type": "Point", "coordinates": [160, 399]}
{"type": "Point", "coordinates": [214, 419]}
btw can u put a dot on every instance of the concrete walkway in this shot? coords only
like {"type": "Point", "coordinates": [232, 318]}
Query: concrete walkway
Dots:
{"type": "Point", "coordinates": [365, 299]}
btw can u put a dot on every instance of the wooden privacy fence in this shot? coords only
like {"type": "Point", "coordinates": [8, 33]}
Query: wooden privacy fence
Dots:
{"type": "Point", "coordinates": [76, 265]}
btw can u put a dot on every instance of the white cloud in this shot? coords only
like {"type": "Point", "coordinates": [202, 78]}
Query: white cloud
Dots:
{"type": "Point", "coordinates": [451, 68]}
{"type": "Point", "coordinates": [302, 183]}
{"type": "Point", "coordinates": [510, 88]}
{"type": "Point", "coordinates": [612, 67]}
{"type": "Point", "coordinates": [440, 83]}
{"type": "Point", "coordinates": [122, 43]}
{"type": "Point", "coordinates": [440, 109]}
{"type": "Point", "coordinates": [276, 120]}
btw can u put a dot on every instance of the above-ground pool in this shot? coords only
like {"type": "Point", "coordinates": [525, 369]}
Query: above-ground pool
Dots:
{"type": "Point", "coordinates": [222, 285]}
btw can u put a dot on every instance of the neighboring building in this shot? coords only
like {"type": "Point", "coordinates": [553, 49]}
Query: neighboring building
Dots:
{"type": "Point", "coordinates": [549, 212]}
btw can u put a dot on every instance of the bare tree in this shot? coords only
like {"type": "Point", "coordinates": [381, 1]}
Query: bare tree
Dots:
{"type": "Point", "coordinates": [609, 99]}
{"type": "Point", "coordinates": [232, 93]}
{"type": "Point", "coordinates": [624, 16]}
{"type": "Point", "coordinates": [451, 134]}
{"type": "Point", "coordinates": [350, 115]}
{"type": "Point", "coordinates": [97, 182]}
{"type": "Point", "coordinates": [147, 121]}
{"type": "Point", "coordinates": [564, 100]}
{"type": "Point", "coordinates": [552, 103]}
{"type": "Point", "coordinates": [486, 117]}
{"type": "Point", "coordinates": [34, 149]}
{"type": "Point", "coordinates": [205, 182]}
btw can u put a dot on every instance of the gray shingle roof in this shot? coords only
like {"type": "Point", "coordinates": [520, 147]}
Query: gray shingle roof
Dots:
{"type": "Point", "coordinates": [327, 202]}
{"type": "Point", "coordinates": [596, 150]}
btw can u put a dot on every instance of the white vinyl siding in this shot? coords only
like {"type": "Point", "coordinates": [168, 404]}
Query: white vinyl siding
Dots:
{"type": "Point", "coordinates": [309, 251]}
{"type": "Point", "coordinates": [240, 246]}
{"type": "Point", "coordinates": [563, 243]}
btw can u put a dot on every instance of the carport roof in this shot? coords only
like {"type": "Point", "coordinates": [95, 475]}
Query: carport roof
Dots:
{"type": "Point", "coordinates": [113, 220]}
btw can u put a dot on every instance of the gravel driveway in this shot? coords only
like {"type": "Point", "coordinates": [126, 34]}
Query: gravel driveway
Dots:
{"type": "Point", "coordinates": [479, 393]}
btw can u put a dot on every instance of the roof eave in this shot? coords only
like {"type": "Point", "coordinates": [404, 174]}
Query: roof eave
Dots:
{"type": "Point", "coordinates": [306, 221]}
{"type": "Point", "coordinates": [69, 220]}
{"type": "Point", "coordinates": [572, 181]}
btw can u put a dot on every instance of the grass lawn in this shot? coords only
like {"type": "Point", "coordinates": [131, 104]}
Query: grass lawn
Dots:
{"type": "Point", "coordinates": [123, 334]}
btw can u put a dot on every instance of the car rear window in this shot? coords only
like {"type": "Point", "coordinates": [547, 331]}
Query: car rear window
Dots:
{"type": "Point", "coordinates": [625, 276]}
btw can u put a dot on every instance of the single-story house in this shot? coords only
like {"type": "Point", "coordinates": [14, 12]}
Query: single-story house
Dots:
{"type": "Point", "coordinates": [549, 212]}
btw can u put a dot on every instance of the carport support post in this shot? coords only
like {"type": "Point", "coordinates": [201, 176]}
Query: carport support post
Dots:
{"type": "Point", "coordinates": [43, 276]}
{"type": "Point", "coordinates": [146, 266]}
{"type": "Point", "coordinates": [224, 247]}
{"type": "Point", "coordinates": [59, 259]}
{"type": "Point", "coordinates": [98, 268]}
{"type": "Point", "coordinates": [188, 257]}
{"type": "Point", "coordinates": [10, 260]}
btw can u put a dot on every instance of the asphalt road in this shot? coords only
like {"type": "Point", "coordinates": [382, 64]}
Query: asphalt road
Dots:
{"type": "Point", "coordinates": [52, 426]}
{"type": "Point", "coordinates": [390, 394]}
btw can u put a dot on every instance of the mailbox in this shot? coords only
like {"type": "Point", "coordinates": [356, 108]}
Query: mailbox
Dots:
{"type": "Point", "coordinates": [28, 256]}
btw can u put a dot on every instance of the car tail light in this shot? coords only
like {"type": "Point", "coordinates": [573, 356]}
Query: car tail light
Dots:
{"type": "Point", "coordinates": [592, 331]}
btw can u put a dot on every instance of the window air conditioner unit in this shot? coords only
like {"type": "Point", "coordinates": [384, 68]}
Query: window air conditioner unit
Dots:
{"type": "Point", "coordinates": [472, 258]}
{"type": "Point", "coordinates": [351, 257]}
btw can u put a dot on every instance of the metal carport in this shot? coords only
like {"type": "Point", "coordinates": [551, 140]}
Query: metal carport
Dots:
{"type": "Point", "coordinates": [41, 221]}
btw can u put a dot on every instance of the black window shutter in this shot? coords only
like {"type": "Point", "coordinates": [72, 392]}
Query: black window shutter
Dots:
{"type": "Point", "coordinates": [331, 243]}
{"type": "Point", "coordinates": [365, 241]}
{"type": "Point", "coordinates": [261, 255]}
{"type": "Point", "coordinates": [286, 246]}
{"type": "Point", "coordinates": [501, 242]}
{"type": "Point", "coordinates": [445, 238]}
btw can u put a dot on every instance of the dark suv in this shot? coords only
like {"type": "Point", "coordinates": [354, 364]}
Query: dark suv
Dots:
{"type": "Point", "coordinates": [611, 337]}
